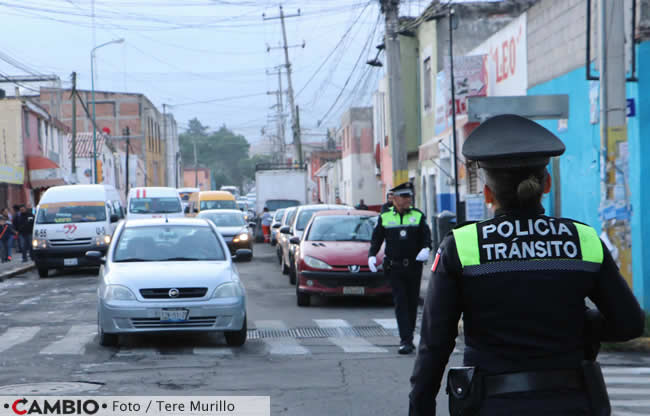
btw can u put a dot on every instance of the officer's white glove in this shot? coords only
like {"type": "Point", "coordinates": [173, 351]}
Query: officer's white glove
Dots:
{"type": "Point", "coordinates": [372, 264]}
{"type": "Point", "coordinates": [423, 255]}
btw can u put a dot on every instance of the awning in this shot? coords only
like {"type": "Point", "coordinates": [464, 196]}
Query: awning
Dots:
{"type": "Point", "coordinates": [43, 172]}
{"type": "Point", "coordinates": [429, 150]}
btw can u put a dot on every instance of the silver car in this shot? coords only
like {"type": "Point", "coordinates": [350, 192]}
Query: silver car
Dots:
{"type": "Point", "coordinates": [169, 275]}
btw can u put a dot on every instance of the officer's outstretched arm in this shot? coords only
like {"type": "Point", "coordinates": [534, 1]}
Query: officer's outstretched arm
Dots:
{"type": "Point", "coordinates": [439, 329]}
{"type": "Point", "coordinates": [624, 318]}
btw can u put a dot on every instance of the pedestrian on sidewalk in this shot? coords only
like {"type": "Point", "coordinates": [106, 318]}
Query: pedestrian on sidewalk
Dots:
{"type": "Point", "coordinates": [7, 232]}
{"type": "Point", "coordinates": [408, 244]}
{"type": "Point", "coordinates": [520, 281]}
{"type": "Point", "coordinates": [362, 205]}
{"type": "Point", "coordinates": [389, 202]}
{"type": "Point", "coordinates": [24, 224]}
{"type": "Point", "coordinates": [267, 218]}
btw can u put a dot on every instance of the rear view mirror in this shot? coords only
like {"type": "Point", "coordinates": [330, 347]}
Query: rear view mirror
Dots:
{"type": "Point", "coordinates": [276, 225]}
{"type": "Point", "coordinates": [187, 210]}
{"type": "Point", "coordinates": [285, 230]}
{"type": "Point", "coordinates": [115, 218]}
{"type": "Point", "coordinates": [96, 257]}
{"type": "Point", "coordinates": [243, 254]}
{"type": "Point", "coordinates": [294, 240]}
{"type": "Point", "coordinates": [252, 224]}
{"type": "Point", "coordinates": [196, 210]}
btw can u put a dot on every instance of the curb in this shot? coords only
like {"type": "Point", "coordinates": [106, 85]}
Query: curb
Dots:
{"type": "Point", "coordinates": [19, 270]}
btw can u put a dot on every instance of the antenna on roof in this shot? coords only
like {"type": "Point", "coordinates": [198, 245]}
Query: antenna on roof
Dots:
{"type": "Point", "coordinates": [166, 218]}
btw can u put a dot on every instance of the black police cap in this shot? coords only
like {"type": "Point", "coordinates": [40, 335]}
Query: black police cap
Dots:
{"type": "Point", "coordinates": [508, 141]}
{"type": "Point", "coordinates": [405, 188]}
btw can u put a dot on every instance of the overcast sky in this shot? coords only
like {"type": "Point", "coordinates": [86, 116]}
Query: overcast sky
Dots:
{"type": "Point", "coordinates": [181, 52]}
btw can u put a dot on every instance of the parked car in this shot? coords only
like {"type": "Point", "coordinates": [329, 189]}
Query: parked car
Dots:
{"type": "Point", "coordinates": [332, 257]}
{"type": "Point", "coordinates": [275, 224]}
{"type": "Point", "coordinates": [163, 275]}
{"type": "Point", "coordinates": [295, 229]}
{"type": "Point", "coordinates": [283, 240]}
{"type": "Point", "coordinates": [232, 226]}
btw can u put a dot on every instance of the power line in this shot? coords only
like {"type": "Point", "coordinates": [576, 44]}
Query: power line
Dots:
{"type": "Point", "coordinates": [218, 99]}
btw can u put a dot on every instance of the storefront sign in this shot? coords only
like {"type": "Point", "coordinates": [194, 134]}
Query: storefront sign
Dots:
{"type": "Point", "coordinates": [507, 66]}
{"type": "Point", "coordinates": [12, 174]}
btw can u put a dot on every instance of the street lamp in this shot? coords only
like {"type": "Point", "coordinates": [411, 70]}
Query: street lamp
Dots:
{"type": "Point", "coordinates": [92, 83]}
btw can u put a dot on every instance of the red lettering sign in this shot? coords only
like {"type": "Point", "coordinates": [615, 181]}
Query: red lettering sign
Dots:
{"type": "Point", "coordinates": [505, 59]}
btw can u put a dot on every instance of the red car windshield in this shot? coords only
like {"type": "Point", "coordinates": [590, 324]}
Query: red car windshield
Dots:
{"type": "Point", "coordinates": [342, 228]}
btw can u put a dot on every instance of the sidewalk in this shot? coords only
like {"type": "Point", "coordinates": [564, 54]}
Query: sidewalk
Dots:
{"type": "Point", "coordinates": [14, 267]}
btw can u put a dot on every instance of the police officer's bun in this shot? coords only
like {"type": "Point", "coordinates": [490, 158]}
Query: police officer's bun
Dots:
{"type": "Point", "coordinates": [529, 191]}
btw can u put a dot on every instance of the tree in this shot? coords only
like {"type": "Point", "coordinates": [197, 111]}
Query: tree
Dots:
{"type": "Point", "coordinates": [224, 152]}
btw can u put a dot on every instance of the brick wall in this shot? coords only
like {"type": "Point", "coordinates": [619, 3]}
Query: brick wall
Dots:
{"type": "Point", "coordinates": [556, 38]}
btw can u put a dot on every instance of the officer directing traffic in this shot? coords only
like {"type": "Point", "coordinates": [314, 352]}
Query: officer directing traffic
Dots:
{"type": "Point", "coordinates": [408, 244]}
{"type": "Point", "coordinates": [519, 280]}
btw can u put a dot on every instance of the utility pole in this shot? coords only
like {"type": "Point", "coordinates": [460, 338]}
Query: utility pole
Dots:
{"type": "Point", "coordinates": [279, 106]}
{"type": "Point", "coordinates": [390, 8]}
{"type": "Point", "coordinates": [613, 133]}
{"type": "Point", "coordinates": [165, 137]}
{"type": "Point", "coordinates": [196, 167]}
{"type": "Point", "coordinates": [73, 95]}
{"type": "Point", "coordinates": [295, 124]}
{"type": "Point", "coordinates": [127, 134]}
{"type": "Point", "coordinates": [453, 113]}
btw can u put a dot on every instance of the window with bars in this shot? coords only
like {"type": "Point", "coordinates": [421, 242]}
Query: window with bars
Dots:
{"type": "Point", "coordinates": [473, 180]}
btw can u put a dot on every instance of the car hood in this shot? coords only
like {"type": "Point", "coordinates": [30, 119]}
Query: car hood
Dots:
{"type": "Point", "coordinates": [230, 231]}
{"type": "Point", "coordinates": [137, 276]}
{"type": "Point", "coordinates": [340, 253]}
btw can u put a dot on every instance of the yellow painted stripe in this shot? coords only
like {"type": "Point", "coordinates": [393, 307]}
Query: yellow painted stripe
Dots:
{"type": "Point", "coordinates": [590, 245]}
{"type": "Point", "coordinates": [467, 245]}
{"type": "Point", "coordinates": [400, 176]}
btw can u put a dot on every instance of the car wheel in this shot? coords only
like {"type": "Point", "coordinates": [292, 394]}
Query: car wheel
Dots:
{"type": "Point", "coordinates": [285, 268]}
{"type": "Point", "coordinates": [302, 299]}
{"type": "Point", "coordinates": [292, 275]}
{"type": "Point", "coordinates": [237, 338]}
{"type": "Point", "coordinates": [42, 272]}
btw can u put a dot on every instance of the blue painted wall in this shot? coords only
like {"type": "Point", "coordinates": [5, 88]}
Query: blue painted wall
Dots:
{"type": "Point", "coordinates": [579, 166]}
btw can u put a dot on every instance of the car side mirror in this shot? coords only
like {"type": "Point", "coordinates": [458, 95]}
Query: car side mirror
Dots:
{"type": "Point", "coordinates": [96, 257]}
{"type": "Point", "coordinates": [187, 210]}
{"type": "Point", "coordinates": [115, 218]}
{"type": "Point", "coordinates": [252, 224]}
{"type": "Point", "coordinates": [276, 225]}
{"type": "Point", "coordinates": [294, 240]}
{"type": "Point", "coordinates": [196, 210]}
{"type": "Point", "coordinates": [243, 254]}
{"type": "Point", "coordinates": [285, 230]}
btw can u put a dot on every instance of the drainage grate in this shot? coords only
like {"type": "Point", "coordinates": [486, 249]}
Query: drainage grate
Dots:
{"type": "Point", "coordinates": [316, 332]}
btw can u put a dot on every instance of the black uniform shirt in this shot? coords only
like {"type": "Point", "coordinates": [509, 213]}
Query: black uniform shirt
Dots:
{"type": "Point", "coordinates": [405, 234]}
{"type": "Point", "coordinates": [518, 315]}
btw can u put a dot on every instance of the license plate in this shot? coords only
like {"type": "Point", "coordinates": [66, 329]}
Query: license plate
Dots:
{"type": "Point", "coordinates": [173, 315]}
{"type": "Point", "coordinates": [70, 262]}
{"type": "Point", "coordinates": [353, 290]}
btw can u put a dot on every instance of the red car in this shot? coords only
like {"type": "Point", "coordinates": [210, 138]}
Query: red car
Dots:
{"type": "Point", "coordinates": [332, 258]}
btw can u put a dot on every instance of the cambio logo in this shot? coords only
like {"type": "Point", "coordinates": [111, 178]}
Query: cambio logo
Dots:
{"type": "Point", "coordinates": [54, 407]}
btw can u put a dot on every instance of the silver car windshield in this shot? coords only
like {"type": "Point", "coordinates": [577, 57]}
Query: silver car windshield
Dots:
{"type": "Point", "coordinates": [168, 243]}
{"type": "Point", "coordinates": [227, 219]}
{"type": "Point", "coordinates": [163, 205]}
{"type": "Point", "coordinates": [342, 228]}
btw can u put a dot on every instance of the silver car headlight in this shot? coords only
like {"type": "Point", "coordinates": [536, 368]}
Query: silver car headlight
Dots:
{"type": "Point", "coordinates": [102, 240]}
{"type": "Point", "coordinates": [39, 243]}
{"type": "Point", "coordinates": [316, 264]}
{"type": "Point", "coordinates": [228, 290]}
{"type": "Point", "coordinates": [118, 292]}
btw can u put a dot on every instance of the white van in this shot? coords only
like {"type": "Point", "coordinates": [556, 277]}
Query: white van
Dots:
{"type": "Point", "coordinates": [154, 202]}
{"type": "Point", "coordinates": [71, 220]}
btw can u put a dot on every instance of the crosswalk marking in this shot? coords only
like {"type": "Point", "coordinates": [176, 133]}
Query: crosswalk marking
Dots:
{"type": "Point", "coordinates": [74, 342]}
{"type": "Point", "coordinates": [130, 352]}
{"type": "Point", "coordinates": [218, 351]}
{"type": "Point", "coordinates": [630, 403]}
{"type": "Point", "coordinates": [17, 335]}
{"type": "Point", "coordinates": [347, 343]}
{"type": "Point", "coordinates": [627, 370]}
{"type": "Point", "coordinates": [630, 391]}
{"type": "Point", "coordinates": [628, 388]}
{"type": "Point", "coordinates": [387, 323]}
{"type": "Point", "coordinates": [280, 346]}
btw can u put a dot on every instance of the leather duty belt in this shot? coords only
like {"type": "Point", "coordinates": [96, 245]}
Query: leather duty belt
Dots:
{"type": "Point", "coordinates": [551, 380]}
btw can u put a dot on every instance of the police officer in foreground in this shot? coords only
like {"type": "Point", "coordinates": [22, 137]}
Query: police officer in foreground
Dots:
{"type": "Point", "coordinates": [520, 280]}
{"type": "Point", "coordinates": [408, 244]}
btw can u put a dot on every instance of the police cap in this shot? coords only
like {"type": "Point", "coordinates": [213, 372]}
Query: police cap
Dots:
{"type": "Point", "coordinates": [508, 141]}
{"type": "Point", "coordinates": [404, 189]}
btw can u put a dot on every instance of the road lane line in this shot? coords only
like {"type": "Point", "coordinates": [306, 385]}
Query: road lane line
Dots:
{"type": "Point", "coordinates": [623, 380]}
{"type": "Point", "coordinates": [629, 391]}
{"type": "Point", "coordinates": [280, 346]}
{"type": "Point", "coordinates": [626, 370]}
{"type": "Point", "coordinates": [218, 351]}
{"type": "Point", "coordinates": [630, 403]}
{"type": "Point", "coordinates": [74, 342]}
{"type": "Point", "coordinates": [17, 335]}
{"type": "Point", "coordinates": [348, 343]}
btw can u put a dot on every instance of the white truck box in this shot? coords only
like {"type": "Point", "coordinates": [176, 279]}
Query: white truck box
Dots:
{"type": "Point", "coordinates": [279, 184]}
